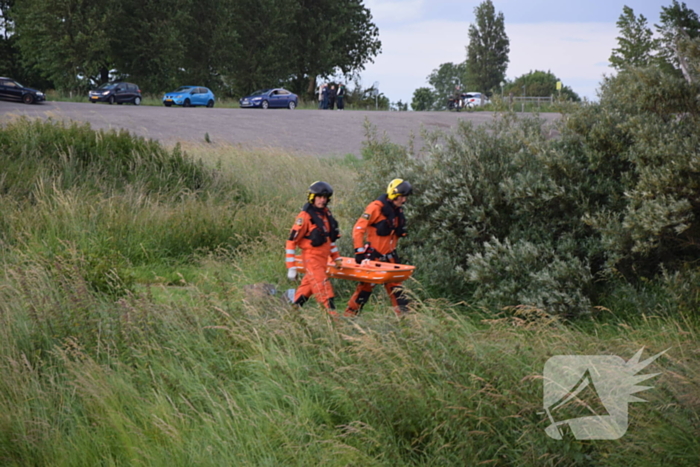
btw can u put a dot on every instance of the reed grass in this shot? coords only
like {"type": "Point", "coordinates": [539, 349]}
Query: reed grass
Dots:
{"type": "Point", "coordinates": [129, 336]}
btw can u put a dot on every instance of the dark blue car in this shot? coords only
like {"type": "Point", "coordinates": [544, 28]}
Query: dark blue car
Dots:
{"type": "Point", "coordinates": [190, 96]}
{"type": "Point", "coordinates": [268, 98]}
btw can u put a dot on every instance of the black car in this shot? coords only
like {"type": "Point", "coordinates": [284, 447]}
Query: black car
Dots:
{"type": "Point", "coordinates": [11, 90]}
{"type": "Point", "coordinates": [118, 92]}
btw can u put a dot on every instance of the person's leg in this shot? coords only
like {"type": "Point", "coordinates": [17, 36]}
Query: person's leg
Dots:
{"type": "Point", "coordinates": [362, 293]}
{"type": "Point", "coordinates": [318, 282]}
{"type": "Point", "coordinates": [398, 298]}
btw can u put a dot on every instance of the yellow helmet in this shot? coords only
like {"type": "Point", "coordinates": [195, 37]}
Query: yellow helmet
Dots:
{"type": "Point", "coordinates": [398, 187]}
{"type": "Point", "coordinates": [320, 188]}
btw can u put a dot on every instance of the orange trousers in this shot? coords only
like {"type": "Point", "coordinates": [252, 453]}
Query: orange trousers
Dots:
{"type": "Point", "coordinates": [315, 282]}
{"type": "Point", "coordinates": [364, 290]}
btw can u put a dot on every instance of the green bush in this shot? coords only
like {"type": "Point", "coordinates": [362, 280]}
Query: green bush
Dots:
{"type": "Point", "coordinates": [71, 155]}
{"type": "Point", "coordinates": [543, 222]}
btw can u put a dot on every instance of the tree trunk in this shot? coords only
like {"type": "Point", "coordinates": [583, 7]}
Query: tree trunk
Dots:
{"type": "Point", "coordinates": [311, 89]}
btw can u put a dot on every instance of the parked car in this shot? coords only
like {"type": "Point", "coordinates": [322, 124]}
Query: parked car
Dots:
{"type": "Point", "coordinates": [267, 98]}
{"type": "Point", "coordinates": [11, 90]}
{"type": "Point", "coordinates": [118, 92]}
{"type": "Point", "coordinates": [474, 99]}
{"type": "Point", "coordinates": [190, 96]}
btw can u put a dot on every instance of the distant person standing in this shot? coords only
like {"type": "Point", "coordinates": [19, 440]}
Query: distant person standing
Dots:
{"type": "Point", "coordinates": [324, 96]}
{"type": "Point", "coordinates": [319, 91]}
{"type": "Point", "coordinates": [332, 94]}
{"type": "Point", "coordinates": [340, 96]}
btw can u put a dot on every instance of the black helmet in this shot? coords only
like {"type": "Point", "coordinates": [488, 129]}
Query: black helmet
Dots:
{"type": "Point", "coordinates": [398, 187]}
{"type": "Point", "coordinates": [320, 188]}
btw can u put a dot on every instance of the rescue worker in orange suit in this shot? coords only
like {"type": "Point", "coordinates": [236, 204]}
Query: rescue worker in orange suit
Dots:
{"type": "Point", "coordinates": [314, 232]}
{"type": "Point", "coordinates": [375, 236]}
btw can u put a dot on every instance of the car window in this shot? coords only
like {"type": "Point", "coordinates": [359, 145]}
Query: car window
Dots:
{"type": "Point", "coordinates": [283, 92]}
{"type": "Point", "coordinates": [261, 92]}
{"type": "Point", "coordinates": [182, 89]}
{"type": "Point", "coordinates": [106, 86]}
{"type": "Point", "coordinates": [11, 84]}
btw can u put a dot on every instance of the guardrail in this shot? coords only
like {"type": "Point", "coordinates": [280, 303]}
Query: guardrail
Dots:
{"type": "Point", "coordinates": [529, 99]}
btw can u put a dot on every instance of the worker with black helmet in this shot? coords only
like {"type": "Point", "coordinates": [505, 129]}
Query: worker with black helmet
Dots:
{"type": "Point", "coordinates": [314, 232]}
{"type": "Point", "coordinates": [375, 237]}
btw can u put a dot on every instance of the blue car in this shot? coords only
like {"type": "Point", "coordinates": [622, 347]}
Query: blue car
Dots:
{"type": "Point", "coordinates": [268, 98]}
{"type": "Point", "coordinates": [190, 96]}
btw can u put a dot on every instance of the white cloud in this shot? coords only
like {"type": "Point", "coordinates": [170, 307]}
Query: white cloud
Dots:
{"type": "Point", "coordinates": [395, 11]}
{"type": "Point", "coordinates": [569, 50]}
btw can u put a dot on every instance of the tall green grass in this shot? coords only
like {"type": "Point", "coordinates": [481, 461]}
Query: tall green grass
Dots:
{"type": "Point", "coordinates": [129, 335]}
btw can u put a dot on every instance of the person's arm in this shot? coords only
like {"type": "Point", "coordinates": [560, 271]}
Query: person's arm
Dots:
{"type": "Point", "coordinates": [298, 232]}
{"type": "Point", "coordinates": [359, 230]}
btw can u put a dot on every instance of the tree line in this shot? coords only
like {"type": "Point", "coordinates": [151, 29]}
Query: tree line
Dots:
{"type": "Point", "coordinates": [675, 49]}
{"type": "Point", "coordinates": [231, 46]}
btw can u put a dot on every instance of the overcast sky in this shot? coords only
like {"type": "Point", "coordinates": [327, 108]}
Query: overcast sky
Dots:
{"type": "Point", "coordinates": [573, 40]}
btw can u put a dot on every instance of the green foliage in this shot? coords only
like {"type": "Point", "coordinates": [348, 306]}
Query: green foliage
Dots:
{"type": "Point", "coordinates": [487, 52]}
{"type": "Point", "coordinates": [445, 80]}
{"type": "Point", "coordinates": [526, 273]}
{"type": "Point", "coordinates": [676, 50]}
{"type": "Point", "coordinates": [231, 46]}
{"type": "Point", "coordinates": [73, 155]}
{"type": "Point", "coordinates": [423, 99]}
{"type": "Point", "coordinates": [636, 43]}
{"type": "Point", "coordinates": [679, 43]}
{"type": "Point", "coordinates": [541, 84]}
{"type": "Point", "coordinates": [321, 47]}
{"type": "Point", "coordinates": [506, 216]}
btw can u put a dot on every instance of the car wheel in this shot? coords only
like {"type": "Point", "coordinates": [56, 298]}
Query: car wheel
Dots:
{"type": "Point", "coordinates": [187, 103]}
{"type": "Point", "coordinates": [264, 105]}
{"type": "Point", "coordinates": [28, 99]}
{"type": "Point", "coordinates": [111, 100]}
{"type": "Point", "coordinates": [210, 104]}
{"type": "Point", "coordinates": [292, 105]}
{"type": "Point", "coordinates": [137, 100]}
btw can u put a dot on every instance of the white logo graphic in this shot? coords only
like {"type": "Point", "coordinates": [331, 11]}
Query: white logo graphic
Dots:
{"type": "Point", "coordinates": [589, 393]}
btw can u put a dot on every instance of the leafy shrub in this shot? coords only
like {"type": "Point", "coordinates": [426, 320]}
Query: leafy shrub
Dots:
{"type": "Point", "coordinates": [75, 155]}
{"type": "Point", "coordinates": [533, 221]}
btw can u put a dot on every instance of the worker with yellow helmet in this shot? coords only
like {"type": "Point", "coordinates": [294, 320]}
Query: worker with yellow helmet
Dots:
{"type": "Point", "coordinates": [375, 237]}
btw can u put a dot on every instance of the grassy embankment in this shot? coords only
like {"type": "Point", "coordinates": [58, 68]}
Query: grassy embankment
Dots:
{"type": "Point", "coordinates": [127, 336]}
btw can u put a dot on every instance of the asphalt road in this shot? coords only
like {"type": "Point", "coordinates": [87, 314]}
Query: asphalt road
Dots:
{"type": "Point", "coordinates": [314, 132]}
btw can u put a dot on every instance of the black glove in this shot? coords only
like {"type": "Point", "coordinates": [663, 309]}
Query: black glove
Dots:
{"type": "Point", "coordinates": [359, 257]}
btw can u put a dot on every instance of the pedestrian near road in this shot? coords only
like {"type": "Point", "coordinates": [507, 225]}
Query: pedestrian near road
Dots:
{"type": "Point", "coordinates": [457, 96]}
{"type": "Point", "coordinates": [314, 232]}
{"type": "Point", "coordinates": [340, 96]}
{"type": "Point", "coordinates": [375, 237]}
{"type": "Point", "coordinates": [319, 91]}
{"type": "Point", "coordinates": [332, 93]}
{"type": "Point", "coordinates": [324, 96]}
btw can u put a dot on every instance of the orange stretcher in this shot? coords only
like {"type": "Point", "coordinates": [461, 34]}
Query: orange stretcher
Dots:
{"type": "Point", "coordinates": [375, 272]}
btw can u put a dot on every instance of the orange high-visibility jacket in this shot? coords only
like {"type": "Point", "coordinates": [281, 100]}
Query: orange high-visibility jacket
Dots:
{"type": "Point", "coordinates": [372, 223]}
{"type": "Point", "coordinates": [303, 233]}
